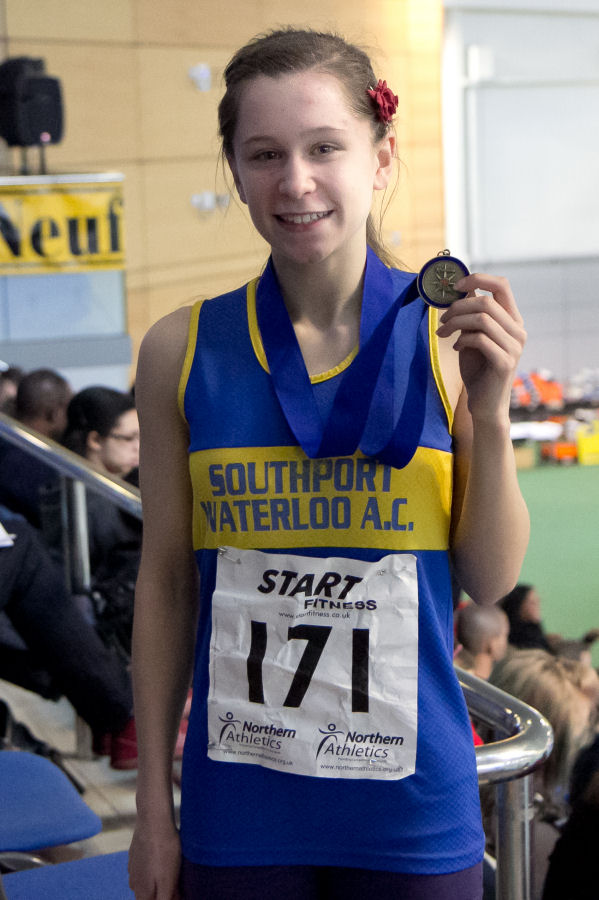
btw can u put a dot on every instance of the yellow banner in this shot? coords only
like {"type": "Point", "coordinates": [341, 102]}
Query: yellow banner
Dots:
{"type": "Point", "coordinates": [57, 225]}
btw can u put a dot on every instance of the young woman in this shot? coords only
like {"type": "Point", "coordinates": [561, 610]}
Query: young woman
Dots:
{"type": "Point", "coordinates": [102, 426]}
{"type": "Point", "coordinates": [523, 609]}
{"type": "Point", "coordinates": [323, 489]}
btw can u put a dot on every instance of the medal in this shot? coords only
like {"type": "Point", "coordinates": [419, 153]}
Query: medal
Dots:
{"type": "Point", "coordinates": [437, 277]}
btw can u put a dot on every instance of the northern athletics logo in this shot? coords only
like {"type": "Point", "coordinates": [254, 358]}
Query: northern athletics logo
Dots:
{"type": "Point", "coordinates": [229, 729]}
{"type": "Point", "coordinates": [236, 732]}
{"type": "Point", "coordinates": [355, 744]}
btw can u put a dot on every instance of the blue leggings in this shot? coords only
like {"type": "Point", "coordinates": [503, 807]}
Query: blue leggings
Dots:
{"type": "Point", "coordinates": [323, 883]}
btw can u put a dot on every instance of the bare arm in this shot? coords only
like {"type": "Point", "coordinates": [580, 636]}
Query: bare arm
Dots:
{"type": "Point", "coordinates": [490, 525]}
{"type": "Point", "coordinates": [165, 605]}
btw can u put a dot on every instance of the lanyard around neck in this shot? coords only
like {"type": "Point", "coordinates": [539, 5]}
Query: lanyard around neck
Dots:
{"type": "Point", "coordinates": [363, 414]}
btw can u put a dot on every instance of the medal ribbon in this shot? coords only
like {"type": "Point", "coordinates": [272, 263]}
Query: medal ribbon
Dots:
{"type": "Point", "coordinates": [363, 413]}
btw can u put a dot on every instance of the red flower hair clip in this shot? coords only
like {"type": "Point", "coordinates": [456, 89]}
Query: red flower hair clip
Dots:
{"type": "Point", "coordinates": [385, 100]}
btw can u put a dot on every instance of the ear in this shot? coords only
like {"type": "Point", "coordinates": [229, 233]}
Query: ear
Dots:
{"type": "Point", "coordinates": [487, 646]}
{"type": "Point", "coordinates": [385, 157]}
{"type": "Point", "coordinates": [93, 441]}
{"type": "Point", "coordinates": [54, 415]}
{"type": "Point", "coordinates": [236, 178]}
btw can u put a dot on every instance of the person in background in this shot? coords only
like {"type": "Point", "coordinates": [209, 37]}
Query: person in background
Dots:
{"type": "Point", "coordinates": [523, 609]}
{"type": "Point", "coordinates": [61, 641]}
{"type": "Point", "coordinates": [573, 872]}
{"type": "Point", "coordinates": [233, 398]}
{"type": "Point", "coordinates": [40, 404]}
{"type": "Point", "coordinates": [481, 633]}
{"type": "Point", "coordinates": [102, 426]}
{"type": "Point", "coordinates": [481, 640]}
{"type": "Point", "coordinates": [10, 377]}
{"type": "Point", "coordinates": [565, 692]}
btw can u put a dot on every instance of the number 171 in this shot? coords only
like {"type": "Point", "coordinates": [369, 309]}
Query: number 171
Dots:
{"type": "Point", "coordinates": [316, 637]}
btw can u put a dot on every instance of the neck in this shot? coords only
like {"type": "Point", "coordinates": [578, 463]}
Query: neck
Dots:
{"type": "Point", "coordinates": [93, 457]}
{"type": "Point", "coordinates": [323, 295]}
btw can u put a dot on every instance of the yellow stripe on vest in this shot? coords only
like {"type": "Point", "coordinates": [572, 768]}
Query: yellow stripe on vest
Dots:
{"type": "Point", "coordinates": [276, 497]}
{"type": "Point", "coordinates": [192, 339]}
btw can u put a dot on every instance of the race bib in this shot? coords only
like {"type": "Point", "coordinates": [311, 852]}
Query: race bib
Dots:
{"type": "Point", "coordinates": [314, 664]}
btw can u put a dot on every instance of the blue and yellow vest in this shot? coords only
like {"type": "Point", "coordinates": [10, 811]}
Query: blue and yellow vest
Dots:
{"type": "Point", "coordinates": [254, 488]}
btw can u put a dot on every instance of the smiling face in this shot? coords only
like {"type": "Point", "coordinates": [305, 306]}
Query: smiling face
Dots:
{"type": "Point", "coordinates": [307, 165]}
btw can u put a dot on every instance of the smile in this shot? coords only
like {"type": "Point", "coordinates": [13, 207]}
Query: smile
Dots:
{"type": "Point", "coordinates": [304, 218]}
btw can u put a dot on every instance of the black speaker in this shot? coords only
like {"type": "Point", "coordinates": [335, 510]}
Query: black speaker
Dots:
{"type": "Point", "coordinates": [30, 103]}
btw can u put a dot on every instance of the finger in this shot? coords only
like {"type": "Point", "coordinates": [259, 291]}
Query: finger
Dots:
{"type": "Point", "coordinates": [503, 357]}
{"type": "Point", "coordinates": [485, 315]}
{"type": "Point", "coordinates": [496, 285]}
{"type": "Point", "coordinates": [479, 303]}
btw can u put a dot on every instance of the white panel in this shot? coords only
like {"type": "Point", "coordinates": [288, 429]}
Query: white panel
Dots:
{"type": "Point", "coordinates": [80, 377]}
{"type": "Point", "coordinates": [521, 135]}
{"type": "Point", "coordinates": [537, 191]}
{"type": "Point", "coordinates": [64, 305]}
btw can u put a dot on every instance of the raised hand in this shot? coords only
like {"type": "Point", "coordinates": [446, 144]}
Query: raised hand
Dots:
{"type": "Point", "coordinates": [490, 337]}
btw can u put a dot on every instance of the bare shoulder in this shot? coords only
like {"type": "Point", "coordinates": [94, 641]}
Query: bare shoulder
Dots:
{"type": "Point", "coordinates": [171, 325]}
{"type": "Point", "coordinates": [165, 343]}
{"type": "Point", "coordinates": [162, 353]}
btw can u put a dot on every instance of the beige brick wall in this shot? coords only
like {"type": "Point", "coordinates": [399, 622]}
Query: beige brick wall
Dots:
{"type": "Point", "coordinates": [131, 107]}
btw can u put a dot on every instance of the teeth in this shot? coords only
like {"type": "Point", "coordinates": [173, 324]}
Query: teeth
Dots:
{"type": "Point", "coordinates": [304, 219]}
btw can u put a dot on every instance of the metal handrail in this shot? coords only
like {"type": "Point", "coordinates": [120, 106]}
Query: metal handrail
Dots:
{"type": "Point", "coordinates": [526, 738]}
{"type": "Point", "coordinates": [525, 743]}
{"type": "Point", "coordinates": [71, 465]}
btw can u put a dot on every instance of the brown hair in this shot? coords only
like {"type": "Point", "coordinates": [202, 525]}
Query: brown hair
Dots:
{"type": "Point", "coordinates": [287, 51]}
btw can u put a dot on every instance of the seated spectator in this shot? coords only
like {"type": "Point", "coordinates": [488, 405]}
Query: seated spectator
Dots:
{"type": "Point", "coordinates": [481, 633]}
{"type": "Point", "coordinates": [481, 640]}
{"type": "Point", "coordinates": [565, 692]}
{"type": "Point", "coordinates": [63, 642]}
{"type": "Point", "coordinates": [41, 404]}
{"type": "Point", "coordinates": [102, 427]}
{"type": "Point", "coordinates": [523, 609]}
{"type": "Point", "coordinates": [574, 864]}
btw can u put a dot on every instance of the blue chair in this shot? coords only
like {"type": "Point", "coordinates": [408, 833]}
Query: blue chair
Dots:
{"type": "Point", "coordinates": [39, 807]}
{"type": "Point", "coordinates": [92, 878]}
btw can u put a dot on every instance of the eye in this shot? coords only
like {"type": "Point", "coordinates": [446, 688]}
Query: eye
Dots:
{"type": "Point", "coordinates": [266, 155]}
{"type": "Point", "coordinates": [325, 149]}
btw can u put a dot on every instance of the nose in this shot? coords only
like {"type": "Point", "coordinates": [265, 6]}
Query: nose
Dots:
{"type": "Point", "coordinates": [296, 178]}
